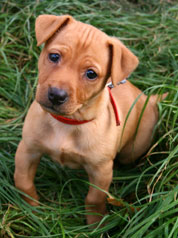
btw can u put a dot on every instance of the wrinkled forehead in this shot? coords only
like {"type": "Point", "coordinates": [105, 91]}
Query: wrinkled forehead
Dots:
{"type": "Point", "coordinates": [80, 36]}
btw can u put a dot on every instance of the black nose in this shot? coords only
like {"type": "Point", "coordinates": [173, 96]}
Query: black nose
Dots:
{"type": "Point", "coordinates": [57, 96]}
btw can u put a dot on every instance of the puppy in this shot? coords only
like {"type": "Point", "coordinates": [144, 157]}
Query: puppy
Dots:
{"type": "Point", "coordinates": [75, 117]}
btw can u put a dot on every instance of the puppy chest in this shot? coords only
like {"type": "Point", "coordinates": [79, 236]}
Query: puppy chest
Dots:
{"type": "Point", "coordinates": [62, 148]}
{"type": "Point", "coordinates": [75, 149]}
{"type": "Point", "coordinates": [74, 156]}
{"type": "Point", "coordinates": [70, 159]}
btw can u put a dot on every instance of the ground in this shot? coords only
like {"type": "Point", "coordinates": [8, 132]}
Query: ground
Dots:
{"type": "Point", "coordinates": [148, 190]}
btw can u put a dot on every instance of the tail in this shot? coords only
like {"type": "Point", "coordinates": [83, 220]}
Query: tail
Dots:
{"type": "Point", "coordinates": [158, 97]}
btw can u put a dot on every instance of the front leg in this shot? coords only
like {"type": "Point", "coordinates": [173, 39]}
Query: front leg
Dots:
{"type": "Point", "coordinates": [95, 202]}
{"type": "Point", "coordinates": [26, 163]}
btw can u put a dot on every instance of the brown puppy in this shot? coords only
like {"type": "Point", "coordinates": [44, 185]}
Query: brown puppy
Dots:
{"type": "Point", "coordinates": [74, 115]}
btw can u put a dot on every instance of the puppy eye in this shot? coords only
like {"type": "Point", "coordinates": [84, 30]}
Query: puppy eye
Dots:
{"type": "Point", "coordinates": [91, 74]}
{"type": "Point", "coordinates": [54, 57]}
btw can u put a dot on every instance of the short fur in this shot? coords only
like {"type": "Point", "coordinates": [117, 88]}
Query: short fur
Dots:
{"type": "Point", "coordinates": [93, 145]}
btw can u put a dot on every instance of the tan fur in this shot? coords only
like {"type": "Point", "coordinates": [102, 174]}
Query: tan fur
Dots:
{"type": "Point", "coordinates": [93, 145]}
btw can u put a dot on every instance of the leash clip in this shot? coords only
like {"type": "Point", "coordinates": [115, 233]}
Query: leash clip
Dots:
{"type": "Point", "coordinates": [110, 85]}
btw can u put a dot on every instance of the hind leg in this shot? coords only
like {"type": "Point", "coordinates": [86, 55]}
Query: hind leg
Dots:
{"type": "Point", "coordinates": [132, 152]}
{"type": "Point", "coordinates": [140, 144]}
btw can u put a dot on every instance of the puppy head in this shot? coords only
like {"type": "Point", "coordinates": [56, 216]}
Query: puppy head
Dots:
{"type": "Point", "coordinates": [76, 63]}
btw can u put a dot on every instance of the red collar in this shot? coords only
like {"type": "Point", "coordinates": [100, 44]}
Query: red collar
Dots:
{"type": "Point", "coordinates": [76, 122]}
{"type": "Point", "coordinates": [69, 120]}
{"type": "Point", "coordinates": [114, 108]}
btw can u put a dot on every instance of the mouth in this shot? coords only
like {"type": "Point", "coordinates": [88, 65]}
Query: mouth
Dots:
{"type": "Point", "coordinates": [53, 110]}
{"type": "Point", "coordinates": [50, 109]}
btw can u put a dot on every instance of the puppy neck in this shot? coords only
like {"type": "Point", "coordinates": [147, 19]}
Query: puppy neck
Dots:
{"type": "Point", "coordinates": [94, 108]}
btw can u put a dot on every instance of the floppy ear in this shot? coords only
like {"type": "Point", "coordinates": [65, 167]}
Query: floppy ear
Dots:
{"type": "Point", "coordinates": [123, 61]}
{"type": "Point", "coordinates": [47, 25]}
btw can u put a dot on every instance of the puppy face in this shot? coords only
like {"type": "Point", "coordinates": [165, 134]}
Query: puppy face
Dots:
{"type": "Point", "coordinates": [73, 68]}
{"type": "Point", "coordinates": [76, 62]}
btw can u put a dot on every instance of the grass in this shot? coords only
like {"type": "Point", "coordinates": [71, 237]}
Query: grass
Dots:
{"type": "Point", "coordinates": [149, 29]}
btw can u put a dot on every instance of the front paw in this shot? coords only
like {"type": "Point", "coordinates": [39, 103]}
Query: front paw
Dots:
{"type": "Point", "coordinates": [94, 219]}
{"type": "Point", "coordinates": [32, 202]}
